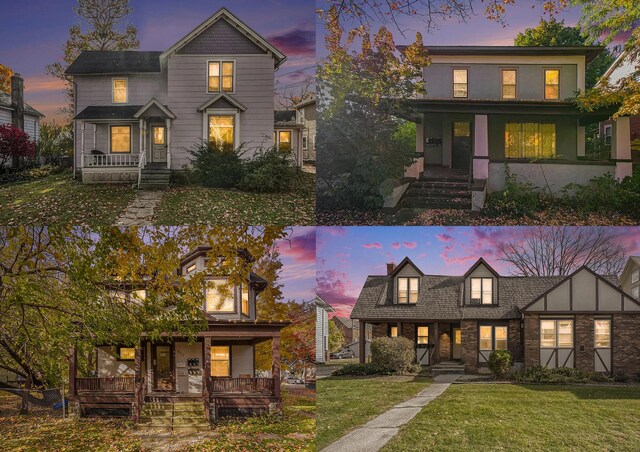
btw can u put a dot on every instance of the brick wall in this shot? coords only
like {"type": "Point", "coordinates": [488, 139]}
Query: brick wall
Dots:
{"type": "Point", "coordinates": [531, 340]}
{"type": "Point", "coordinates": [513, 340]}
{"type": "Point", "coordinates": [380, 330]}
{"type": "Point", "coordinates": [444, 331]}
{"type": "Point", "coordinates": [584, 355]}
{"type": "Point", "coordinates": [469, 352]}
{"type": "Point", "coordinates": [409, 331]}
{"type": "Point", "coordinates": [626, 344]}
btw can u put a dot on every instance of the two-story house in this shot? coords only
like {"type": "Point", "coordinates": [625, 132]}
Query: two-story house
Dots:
{"type": "Point", "coordinates": [216, 371]}
{"type": "Point", "coordinates": [487, 107]}
{"type": "Point", "coordinates": [630, 277]}
{"type": "Point", "coordinates": [14, 110]}
{"type": "Point", "coordinates": [306, 119]}
{"type": "Point", "coordinates": [138, 113]}
{"type": "Point", "coordinates": [322, 329]}
{"type": "Point", "coordinates": [584, 321]}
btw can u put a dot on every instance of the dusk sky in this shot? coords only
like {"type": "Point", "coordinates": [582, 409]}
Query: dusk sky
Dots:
{"type": "Point", "coordinates": [38, 29]}
{"type": "Point", "coordinates": [347, 255]}
{"type": "Point", "coordinates": [298, 255]}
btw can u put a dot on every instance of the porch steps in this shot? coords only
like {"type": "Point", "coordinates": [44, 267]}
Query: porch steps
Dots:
{"type": "Point", "coordinates": [448, 367]}
{"type": "Point", "coordinates": [178, 417]}
{"type": "Point", "coordinates": [438, 193]}
{"type": "Point", "coordinates": [155, 176]}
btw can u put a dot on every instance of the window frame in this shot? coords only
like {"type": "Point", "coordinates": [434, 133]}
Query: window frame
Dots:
{"type": "Point", "coordinates": [522, 139]}
{"type": "Point", "coordinates": [609, 333]}
{"type": "Point", "coordinates": [493, 337]}
{"type": "Point", "coordinates": [221, 62]}
{"type": "Point", "coordinates": [111, 126]}
{"type": "Point", "coordinates": [119, 352]}
{"type": "Point", "coordinates": [391, 328]}
{"type": "Point", "coordinates": [234, 297]}
{"type": "Point", "coordinates": [635, 276]}
{"type": "Point", "coordinates": [557, 334]}
{"type": "Point", "coordinates": [244, 287]}
{"type": "Point", "coordinates": [418, 336]}
{"type": "Point", "coordinates": [466, 84]}
{"type": "Point", "coordinates": [229, 360]}
{"type": "Point", "coordinates": [545, 84]}
{"type": "Point", "coordinates": [408, 279]}
{"type": "Point", "coordinates": [191, 268]}
{"type": "Point", "coordinates": [482, 291]}
{"type": "Point", "coordinates": [607, 136]}
{"type": "Point", "coordinates": [278, 140]}
{"type": "Point", "coordinates": [113, 90]}
{"type": "Point", "coordinates": [515, 84]}
{"type": "Point", "coordinates": [305, 140]}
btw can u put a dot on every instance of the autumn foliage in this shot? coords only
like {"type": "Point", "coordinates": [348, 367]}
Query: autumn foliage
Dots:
{"type": "Point", "coordinates": [15, 143]}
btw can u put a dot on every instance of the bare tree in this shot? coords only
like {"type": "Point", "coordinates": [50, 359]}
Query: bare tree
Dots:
{"type": "Point", "coordinates": [303, 90]}
{"type": "Point", "coordinates": [546, 251]}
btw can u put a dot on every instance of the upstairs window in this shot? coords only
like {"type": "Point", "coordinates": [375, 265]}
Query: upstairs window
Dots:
{"type": "Point", "coordinates": [551, 84]}
{"type": "Point", "coordinates": [509, 83]}
{"type": "Point", "coordinates": [219, 299]}
{"type": "Point", "coordinates": [245, 300]}
{"type": "Point", "coordinates": [120, 95]}
{"type": "Point", "coordinates": [481, 290]}
{"type": "Point", "coordinates": [408, 290]}
{"type": "Point", "coordinates": [221, 76]}
{"type": "Point", "coordinates": [191, 268]}
{"type": "Point", "coordinates": [460, 83]}
{"type": "Point", "coordinates": [529, 140]}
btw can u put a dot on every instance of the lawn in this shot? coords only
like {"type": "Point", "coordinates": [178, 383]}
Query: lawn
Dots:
{"type": "Point", "coordinates": [345, 403]}
{"type": "Point", "coordinates": [527, 417]}
{"type": "Point", "coordinates": [197, 205]}
{"type": "Point", "coordinates": [59, 199]}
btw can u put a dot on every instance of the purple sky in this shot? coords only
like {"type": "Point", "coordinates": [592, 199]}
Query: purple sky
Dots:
{"type": "Point", "coordinates": [37, 30]}
{"type": "Point", "coordinates": [298, 255]}
{"type": "Point", "coordinates": [346, 255]}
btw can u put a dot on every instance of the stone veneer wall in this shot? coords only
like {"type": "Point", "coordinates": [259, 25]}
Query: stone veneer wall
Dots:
{"type": "Point", "coordinates": [469, 351]}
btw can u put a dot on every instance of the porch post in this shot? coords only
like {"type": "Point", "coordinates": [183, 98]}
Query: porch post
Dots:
{"type": "Point", "coordinates": [582, 146]}
{"type": "Point", "coordinates": [436, 348]}
{"type": "Point", "coordinates": [621, 147]}
{"type": "Point", "coordinates": [362, 344]}
{"type": "Point", "coordinates": [481, 147]}
{"type": "Point", "coordinates": [81, 144]}
{"type": "Point", "coordinates": [206, 376]}
{"type": "Point", "coordinates": [73, 367]}
{"type": "Point", "coordinates": [95, 133]}
{"type": "Point", "coordinates": [168, 121]}
{"type": "Point", "coordinates": [141, 135]}
{"type": "Point", "coordinates": [275, 364]}
{"type": "Point", "coordinates": [137, 381]}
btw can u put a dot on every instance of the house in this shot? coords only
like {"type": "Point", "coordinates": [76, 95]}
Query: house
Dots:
{"type": "Point", "coordinates": [630, 277]}
{"type": "Point", "coordinates": [286, 133]}
{"type": "Point", "coordinates": [350, 330]}
{"type": "Point", "coordinates": [216, 372]}
{"type": "Point", "coordinates": [306, 119]}
{"type": "Point", "coordinates": [584, 320]}
{"type": "Point", "coordinates": [487, 108]}
{"type": "Point", "coordinates": [138, 113]}
{"type": "Point", "coordinates": [322, 329]}
{"type": "Point", "coordinates": [14, 110]}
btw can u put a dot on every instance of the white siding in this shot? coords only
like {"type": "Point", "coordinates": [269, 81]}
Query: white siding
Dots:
{"type": "Point", "coordinates": [185, 383]}
{"type": "Point", "coordinates": [110, 366]}
{"type": "Point", "coordinates": [5, 116]}
{"type": "Point", "coordinates": [322, 334]}
{"type": "Point", "coordinates": [32, 126]}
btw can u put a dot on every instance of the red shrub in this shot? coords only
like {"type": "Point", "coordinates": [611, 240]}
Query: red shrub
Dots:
{"type": "Point", "coordinates": [15, 143]}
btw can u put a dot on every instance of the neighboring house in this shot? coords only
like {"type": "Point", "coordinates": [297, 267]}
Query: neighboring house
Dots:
{"type": "Point", "coordinates": [584, 320]}
{"type": "Point", "coordinates": [630, 277]}
{"type": "Point", "coordinates": [138, 113]}
{"type": "Point", "coordinates": [286, 133]}
{"type": "Point", "coordinates": [9, 378]}
{"type": "Point", "coordinates": [487, 107]}
{"type": "Point", "coordinates": [14, 110]}
{"type": "Point", "coordinates": [306, 119]}
{"type": "Point", "coordinates": [218, 369]}
{"type": "Point", "coordinates": [322, 329]}
{"type": "Point", "coordinates": [350, 329]}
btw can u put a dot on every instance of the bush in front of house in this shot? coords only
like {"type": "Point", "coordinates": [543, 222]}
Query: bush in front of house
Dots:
{"type": "Point", "coordinates": [516, 200]}
{"type": "Point", "coordinates": [499, 363]}
{"type": "Point", "coordinates": [394, 354]}
{"type": "Point", "coordinates": [217, 166]}
{"type": "Point", "coordinates": [560, 375]}
{"type": "Point", "coordinates": [269, 171]}
{"type": "Point", "coordinates": [15, 144]}
{"type": "Point", "coordinates": [360, 370]}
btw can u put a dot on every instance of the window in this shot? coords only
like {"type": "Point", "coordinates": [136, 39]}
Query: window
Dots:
{"type": "Point", "coordinates": [635, 276]}
{"type": "Point", "coordinates": [393, 331]}
{"type": "Point", "coordinates": [305, 141]}
{"type": "Point", "coordinates": [460, 83]}
{"type": "Point", "coordinates": [602, 333]}
{"type": "Point", "coordinates": [529, 140]}
{"type": "Point", "coordinates": [220, 299]}
{"type": "Point", "coordinates": [120, 95]}
{"type": "Point", "coordinates": [120, 139]}
{"type": "Point", "coordinates": [221, 76]}
{"type": "Point", "coordinates": [222, 131]}
{"type": "Point", "coordinates": [127, 354]}
{"type": "Point", "coordinates": [551, 84]}
{"type": "Point", "coordinates": [556, 333]}
{"type": "Point", "coordinates": [159, 135]}
{"type": "Point", "coordinates": [481, 290]}
{"type": "Point", "coordinates": [408, 290]}
{"type": "Point", "coordinates": [461, 129]}
{"type": "Point", "coordinates": [423, 335]}
{"type": "Point", "coordinates": [245, 300]}
{"type": "Point", "coordinates": [607, 134]}
{"type": "Point", "coordinates": [635, 292]}
{"type": "Point", "coordinates": [493, 337]}
{"type": "Point", "coordinates": [284, 140]}
{"type": "Point", "coordinates": [191, 268]}
{"type": "Point", "coordinates": [220, 361]}
{"type": "Point", "coordinates": [509, 83]}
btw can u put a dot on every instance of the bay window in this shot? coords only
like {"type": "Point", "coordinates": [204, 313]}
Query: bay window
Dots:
{"type": "Point", "coordinates": [219, 297]}
{"type": "Point", "coordinates": [529, 140]}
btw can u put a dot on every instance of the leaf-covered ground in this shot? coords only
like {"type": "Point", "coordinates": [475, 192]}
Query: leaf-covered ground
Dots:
{"type": "Point", "coordinates": [59, 199]}
{"type": "Point", "coordinates": [197, 205]}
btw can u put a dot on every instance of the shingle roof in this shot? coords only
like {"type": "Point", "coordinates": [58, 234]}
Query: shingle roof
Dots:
{"type": "Point", "coordinates": [109, 112]}
{"type": "Point", "coordinates": [5, 101]}
{"type": "Point", "coordinates": [440, 298]}
{"type": "Point", "coordinates": [114, 62]}
{"type": "Point", "coordinates": [284, 117]}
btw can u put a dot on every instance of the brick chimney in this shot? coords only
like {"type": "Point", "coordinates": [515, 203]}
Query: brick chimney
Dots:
{"type": "Point", "coordinates": [17, 101]}
{"type": "Point", "coordinates": [390, 268]}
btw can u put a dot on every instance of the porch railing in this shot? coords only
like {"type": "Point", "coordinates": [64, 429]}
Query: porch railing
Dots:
{"type": "Point", "coordinates": [105, 384]}
{"type": "Point", "coordinates": [242, 385]}
{"type": "Point", "coordinates": [110, 160]}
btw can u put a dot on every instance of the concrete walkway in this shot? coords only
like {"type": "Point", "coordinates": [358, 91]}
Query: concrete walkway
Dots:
{"type": "Point", "coordinates": [376, 433]}
{"type": "Point", "coordinates": [140, 212]}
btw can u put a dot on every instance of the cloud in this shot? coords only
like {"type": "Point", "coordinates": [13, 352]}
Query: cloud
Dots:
{"type": "Point", "coordinates": [297, 41]}
{"type": "Point", "coordinates": [377, 245]}
{"type": "Point", "coordinates": [301, 248]}
{"type": "Point", "coordinates": [40, 84]}
{"type": "Point", "coordinates": [410, 245]}
{"type": "Point", "coordinates": [396, 245]}
{"type": "Point", "coordinates": [336, 289]}
{"type": "Point", "coordinates": [444, 237]}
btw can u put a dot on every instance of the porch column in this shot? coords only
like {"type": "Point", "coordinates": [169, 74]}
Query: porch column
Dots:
{"type": "Point", "coordinates": [275, 364]}
{"type": "Point", "coordinates": [420, 137]}
{"type": "Point", "coordinates": [73, 368]}
{"type": "Point", "coordinates": [362, 345]}
{"type": "Point", "coordinates": [206, 376]}
{"type": "Point", "coordinates": [82, 144]}
{"type": "Point", "coordinates": [168, 121]}
{"type": "Point", "coordinates": [481, 147]}
{"type": "Point", "coordinates": [436, 349]}
{"type": "Point", "coordinates": [141, 136]}
{"type": "Point", "coordinates": [582, 147]}
{"type": "Point", "coordinates": [95, 133]}
{"type": "Point", "coordinates": [621, 147]}
{"type": "Point", "coordinates": [137, 381]}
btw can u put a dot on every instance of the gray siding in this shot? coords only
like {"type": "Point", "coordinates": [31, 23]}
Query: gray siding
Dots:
{"type": "Point", "coordinates": [5, 116]}
{"type": "Point", "coordinates": [480, 272]}
{"type": "Point", "coordinates": [221, 38]}
{"type": "Point", "coordinates": [32, 126]}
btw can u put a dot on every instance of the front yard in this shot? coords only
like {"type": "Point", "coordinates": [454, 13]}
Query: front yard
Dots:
{"type": "Point", "coordinates": [525, 417]}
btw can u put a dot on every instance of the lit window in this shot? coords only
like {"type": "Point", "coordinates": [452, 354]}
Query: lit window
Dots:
{"type": "Point", "coordinates": [500, 340]}
{"type": "Point", "coordinates": [221, 80]}
{"type": "Point", "coordinates": [191, 268]}
{"type": "Point", "coordinates": [460, 83]}
{"type": "Point", "coordinates": [408, 290]}
{"type": "Point", "coordinates": [393, 331]}
{"type": "Point", "coordinates": [556, 333]}
{"type": "Point", "coordinates": [159, 135]}
{"type": "Point", "coordinates": [120, 91]}
{"type": "Point", "coordinates": [220, 361]}
{"type": "Point", "coordinates": [284, 140]}
{"type": "Point", "coordinates": [602, 333]}
{"type": "Point", "coordinates": [551, 84]}
{"type": "Point", "coordinates": [530, 140]}
{"type": "Point", "coordinates": [423, 335]}
{"type": "Point", "coordinates": [139, 294]}
{"type": "Point", "coordinates": [482, 290]}
{"type": "Point", "coordinates": [220, 297]}
{"type": "Point", "coordinates": [222, 131]}
{"type": "Point", "coordinates": [486, 338]}
{"type": "Point", "coordinates": [245, 300]}
{"type": "Point", "coordinates": [121, 139]}
{"type": "Point", "coordinates": [127, 354]}
{"type": "Point", "coordinates": [509, 83]}
{"type": "Point", "coordinates": [493, 337]}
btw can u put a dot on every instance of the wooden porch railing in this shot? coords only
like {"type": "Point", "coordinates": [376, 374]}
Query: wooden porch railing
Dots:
{"type": "Point", "coordinates": [108, 384]}
{"type": "Point", "coordinates": [110, 160]}
{"type": "Point", "coordinates": [242, 385]}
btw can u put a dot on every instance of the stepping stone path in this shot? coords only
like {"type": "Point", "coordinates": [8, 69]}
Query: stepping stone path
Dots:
{"type": "Point", "coordinates": [140, 212]}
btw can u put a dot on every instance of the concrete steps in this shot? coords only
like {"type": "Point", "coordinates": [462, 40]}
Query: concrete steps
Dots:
{"type": "Point", "coordinates": [448, 367]}
{"type": "Point", "coordinates": [154, 177]}
{"type": "Point", "coordinates": [182, 417]}
{"type": "Point", "coordinates": [442, 192]}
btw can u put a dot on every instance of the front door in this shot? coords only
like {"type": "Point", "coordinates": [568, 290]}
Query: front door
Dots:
{"type": "Point", "coordinates": [461, 145]}
{"type": "Point", "coordinates": [163, 367]}
{"type": "Point", "coordinates": [159, 144]}
{"type": "Point", "coordinates": [456, 347]}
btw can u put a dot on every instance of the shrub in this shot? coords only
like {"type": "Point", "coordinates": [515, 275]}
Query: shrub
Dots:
{"type": "Point", "coordinates": [517, 200]}
{"type": "Point", "coordinates": [499, 362]}
{"type": "Point", "coordinates": [560, 375]}
{"type": "Point", "coordinates": [360, 369]}
{"type": "Point", "coordinates": [269, 171]}
{"type": "Point", "coordinates": [15, 144]}
{"type": "Point", "coordinates": [395, 354]}
{"type": "Point", "coordinates": [215, 166]}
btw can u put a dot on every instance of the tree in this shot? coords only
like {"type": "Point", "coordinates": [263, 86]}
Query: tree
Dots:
{"type": "Point", "coordinates": [546, 251]}
{"type": "Point", "coordinates": [290, 97]}
{"type": "Point", "coordinates": [15, 144]}
{"type": "Point", "coordinates": [106, 31]}
{"type": "Point", "coordinates": [552, 33]}
{"type": "Point", "coordinates": [5, 78]}
{"type": "Point", "coordinates": [336, 338]}
{"type": "Point", "coordinates": [55, 140]}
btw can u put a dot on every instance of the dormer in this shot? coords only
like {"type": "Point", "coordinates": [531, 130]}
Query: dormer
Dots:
{"type": "Point", "coordinates": [481, 284]}
{"type": "Point", "coordinates": [406, 280]}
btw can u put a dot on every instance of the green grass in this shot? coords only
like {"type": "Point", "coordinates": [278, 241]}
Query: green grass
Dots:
{"type": "Point", "coordinates": [59, 199]}
{"type": "Point", "coordinates": [197, 205]}
{"type": "Point", "coordinates": [523, 418]}
{"type": "Point", "coordinates": [345, 403]}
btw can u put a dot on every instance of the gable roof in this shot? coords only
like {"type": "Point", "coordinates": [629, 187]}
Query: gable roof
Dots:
{"type": "Point", "coordinates": [478, 263]}
{"type": "Point", "coordinates": [631, 262]}
{"type": "Point", "coordinates": [115, 62]}
{"type": "Point", "coordinates": [621, 67]}
{"type": "Point", "coordinates": [323, 304]}
{"type": "Point", "coordinates": [5, 102]}
{"type": "Point", "coordinates": [224, 97]}
{"type": "Point", "coordinates": [155, 102]}
{"type": "Point", "coordinates": [406, 261]}
{"type": "Point", "coordinates": [225, 14]}
{"type": "Point", "coordinates": [348, 323]}
{"type": "Point", "coordinates": [304, 103]}
{"type": "Point", "coordinates": [284, 117]}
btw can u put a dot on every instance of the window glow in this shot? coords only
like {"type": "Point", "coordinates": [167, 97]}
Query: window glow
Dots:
{"type": "Point", "coordinates": [551, 84]}
{"type": "Point", "coordinates": [486, 338]}
{"type": "Point", "coordinates": [221, 76]}
{"type": "Point", "coordinates": [245, 300]}
{"type": "Point", "coordinates": [460, 83]}
{"type": "Point", "coordinates": [120, 91]}
{"type": "Point", "coordinates": [159, 135]}
{"type": "Point", "coordinates": [127, 353]}
{"type": "Point", "coordinates": [219, 298]}
{"type": "Point", "coordinates": [394, 331]}
{"type": "Point", "coordinates": [120, 139]}
{"type": "Point", "coordinates": [220, 361]}
{"type": "Point", "coordinates": [222, 131]}
{"type": "Point", "coordinates": [529, 140]}
{"type": "Point", "coordinates": [408, 289]}
{"type": "Point", "coordinates": [284, 140]}
{"type": "Point", "coordinates": [482, 290]}
{"type": "Point", "coordinates": [423, 335]}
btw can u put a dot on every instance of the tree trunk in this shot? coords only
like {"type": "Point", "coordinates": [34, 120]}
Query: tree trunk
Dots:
{"type": "Point", "coordinates": [24, 406]}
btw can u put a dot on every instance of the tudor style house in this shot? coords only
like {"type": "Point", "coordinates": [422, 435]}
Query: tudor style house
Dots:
{"type": "Point", "coordinates": [584, 320]}
{"type": "Point", "coordinates": [137, 113]}
{"type": "Point", "coordinates": [216, 372]}
{"type": "Point", "coordinates": [487, 107]}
